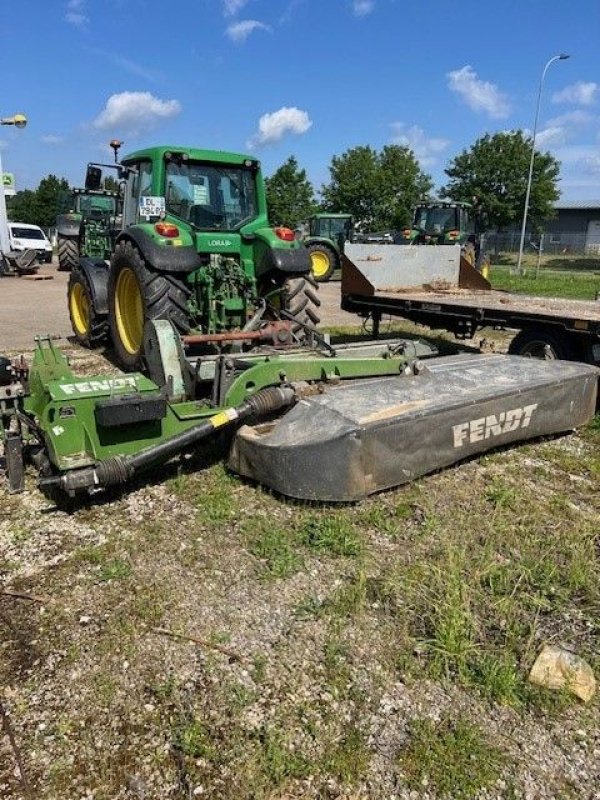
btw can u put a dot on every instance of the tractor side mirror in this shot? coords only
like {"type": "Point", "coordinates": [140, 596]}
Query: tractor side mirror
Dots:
{"type": "Point", "coordinates": [93, 178]}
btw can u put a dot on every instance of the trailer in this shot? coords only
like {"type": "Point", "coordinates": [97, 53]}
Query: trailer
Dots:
{"type": "Point", "coordinates": [433, 286]}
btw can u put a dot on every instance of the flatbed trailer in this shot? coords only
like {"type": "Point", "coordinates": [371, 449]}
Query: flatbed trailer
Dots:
{"type": "Point", "coordinates": [547, 327]}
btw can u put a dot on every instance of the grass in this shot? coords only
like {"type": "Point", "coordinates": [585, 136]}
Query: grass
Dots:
{"type": "Point", "coordinates": [573, 285]}
{"type": "Point", "coordinates": [450, 757]}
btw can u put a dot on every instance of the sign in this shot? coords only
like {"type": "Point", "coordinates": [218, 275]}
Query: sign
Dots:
{"type": "Point", "coordinates": [151, 206]}
{"type": "Point", "coordinates": [8, 183]}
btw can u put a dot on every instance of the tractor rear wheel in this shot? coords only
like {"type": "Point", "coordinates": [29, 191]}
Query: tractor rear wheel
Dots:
{"type": "Point", "coordinates": [299, 297]}
{"type": "Point", "coordinates": [89, 327]}
{"type": "Point", "coordinates": [68, 254]}
{"type": "Point", "coordinates": [323, 261]}
{"type": "Point", "coordinates": [137, 293]}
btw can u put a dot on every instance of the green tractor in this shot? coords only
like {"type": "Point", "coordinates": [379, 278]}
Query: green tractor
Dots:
{"type": "Point", "coordinates": [195, 247]}
{"type": "Point", "coordinates": [88, 227]}
{"type": "Point", "coordinates": [327, 235]}
{"type": "Point", "coordinates": [445, 222]}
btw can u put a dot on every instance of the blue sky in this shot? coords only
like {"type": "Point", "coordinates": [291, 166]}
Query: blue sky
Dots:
{"type": "Point", "coordinates": [305, 77]}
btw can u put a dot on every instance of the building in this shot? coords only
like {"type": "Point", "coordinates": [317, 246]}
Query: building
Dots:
{"type": "Point", "coordinates": [576, 226]}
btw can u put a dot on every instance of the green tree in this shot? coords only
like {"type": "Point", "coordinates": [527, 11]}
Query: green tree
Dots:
{"type": "Point", "coordinates": [290, 195]}
{"type": "Point", "coordinates": [379, 189]}
{"type": "Point", "coordinates": [494, 172]}
{"type": "Point", "coordinates": [111, 184]}
{"type": "Point", "coordinates": [39, 206]}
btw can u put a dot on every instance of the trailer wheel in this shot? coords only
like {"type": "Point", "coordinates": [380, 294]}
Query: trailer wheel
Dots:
{"type": "Point", "coordinates": [137, 293]}
{"type": "Point", "coordinates": [323, 261]}
{"type": "Point", "coordinates": [542, 343]}
{"type": "Point", "coordinates": [89, 327]}
{"type": "Point", "coordinates": [68, 254]}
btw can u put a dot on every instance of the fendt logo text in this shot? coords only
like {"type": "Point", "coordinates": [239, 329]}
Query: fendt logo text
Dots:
{"type": "Point", "coordinates": [89, 387]}
{"type": "Point", "coordinates": [477, 430]}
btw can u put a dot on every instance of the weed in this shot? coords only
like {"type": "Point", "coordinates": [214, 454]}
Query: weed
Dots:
{"type": "Point", "coordinates": [350, 598]}
{"type": "Point", "coordinates": [274, 546]}
{"type": "Point", "coordinates": [192, 737]}
{"type": "Point", "coordinates": [451, 757]}
{"type": "Point", "coordinates": [348, 759]}
{"type": "Point", "coordinates": [500, 495]}
{"type": "Point", "coordinates": [115, 570]}
{"type": "Point", "coordinates": [279, 761]}
{"type": "Point", "coordinates": [331, 533]}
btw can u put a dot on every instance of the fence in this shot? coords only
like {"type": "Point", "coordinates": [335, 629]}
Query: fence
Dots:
{"type": "Point", "coordinates": [555, 243]}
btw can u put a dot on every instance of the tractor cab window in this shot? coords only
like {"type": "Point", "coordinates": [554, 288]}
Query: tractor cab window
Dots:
{"type": "Point", "coordinates": [435, 219]}
{"type": "Point", "coordinates": [96, 204]}
{"type": "Point", "coordinates": [211, 197]}
{"type": "Point", "coordinates": [338, 227]}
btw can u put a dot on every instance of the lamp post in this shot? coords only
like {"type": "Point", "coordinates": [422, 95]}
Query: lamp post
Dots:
{"type": "Point", "coordinates": [560, 57]}
{"type": "Point", "coordinates": [19, 121]}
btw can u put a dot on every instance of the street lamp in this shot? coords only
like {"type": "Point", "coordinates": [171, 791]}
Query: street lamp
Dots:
{"type": "Point", "coordinates": [19, 121]}
{"type": "Point", "coordinates": [560, 57]}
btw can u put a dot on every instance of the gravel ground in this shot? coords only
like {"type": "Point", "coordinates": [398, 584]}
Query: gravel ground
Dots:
{"type": "Point", "coordinates": [299, 673]}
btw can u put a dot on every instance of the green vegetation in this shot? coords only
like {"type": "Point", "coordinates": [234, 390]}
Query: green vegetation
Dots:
{"type": "Point", "coordinates": [450, 757]}
{"type": "Point", "coordinates": [575, 284]}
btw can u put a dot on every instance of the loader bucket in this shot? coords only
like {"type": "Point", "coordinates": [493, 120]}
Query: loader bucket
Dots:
{"type": "Point", "coordinates": [367, 435]}
{"type": "Point", "coordinates": [367, 269]}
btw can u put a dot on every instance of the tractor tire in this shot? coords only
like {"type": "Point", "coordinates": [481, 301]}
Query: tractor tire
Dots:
{"type": "Point", "coordinates": [137, 293]}
{"type": "Point", "coordinates": [299, 297]}
{"type": "Point", "coordinates": [323, 260]}
{"type": "Point", "coordinates": [89, 327]}
{"type": "Point", "coordinates": [543, 342]}
{"type": "Point", "coordinates": [68, 254]}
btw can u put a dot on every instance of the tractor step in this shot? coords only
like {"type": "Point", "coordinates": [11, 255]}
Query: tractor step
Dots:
{"type": "Point", "coordinates": [364, 436]}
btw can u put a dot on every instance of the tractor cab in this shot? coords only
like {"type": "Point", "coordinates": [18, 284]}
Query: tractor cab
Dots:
{"type": "Point", "coordinates": [441, 222]}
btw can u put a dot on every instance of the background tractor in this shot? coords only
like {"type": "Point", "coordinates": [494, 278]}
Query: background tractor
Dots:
{"type": "Point", "coordinates": [445, 222]}
{"type": "Point", "coordinates": [327, 235]}
{"type": "Point", "coordinates": [195, 247]}
{"type": "Point", "coordinates": [88, 227]}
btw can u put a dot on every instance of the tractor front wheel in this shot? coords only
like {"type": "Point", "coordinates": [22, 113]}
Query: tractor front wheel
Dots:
{"type": "Point", "coordinates": [89, 327]}
{"type": "Point", "coordinates": [323, 261]}
{"type": "Point", "coordinates": [68, 254]}
{"type": "Point", "coordinates": [136, 293]}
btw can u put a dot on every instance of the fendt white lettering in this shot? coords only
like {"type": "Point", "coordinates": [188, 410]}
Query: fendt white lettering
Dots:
{"type": "Point", "coordinates": [477, 430]}
{"type": "Point", "coordinates": [89, 387]}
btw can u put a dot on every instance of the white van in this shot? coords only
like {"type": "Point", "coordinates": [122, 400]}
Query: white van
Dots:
{"type": "Point", "coordinates": [29, 237]}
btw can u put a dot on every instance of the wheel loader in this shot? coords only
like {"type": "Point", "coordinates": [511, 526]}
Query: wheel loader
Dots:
{"type": "Point", "coordinates": [196, 248]}
{"type": "Point", "coordinates": [87, 227]}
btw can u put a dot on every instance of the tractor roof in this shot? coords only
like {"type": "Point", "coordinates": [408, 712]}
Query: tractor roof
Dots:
{"type": "Point", "coordinates": [444, 204]}
{"type": "Point", "coordinates": [219, 156]}
{"type": "Point", "coordinates": [327, 215]}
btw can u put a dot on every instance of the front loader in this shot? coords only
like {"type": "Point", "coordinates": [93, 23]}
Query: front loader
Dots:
{"type": "Point", "coordinates": [195, 248]}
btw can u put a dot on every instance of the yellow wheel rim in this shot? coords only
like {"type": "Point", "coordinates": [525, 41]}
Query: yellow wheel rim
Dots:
{"type": "Point", "coordinates": [80, 309]}
{"type": "Point", "coordinates": [129, 311]}
{"type": "Point", "coordinates": [319, 263]}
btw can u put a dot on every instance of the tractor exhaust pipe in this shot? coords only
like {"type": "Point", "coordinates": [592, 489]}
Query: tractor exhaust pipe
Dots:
{"type": "Point", "coordinates": [117, 471]}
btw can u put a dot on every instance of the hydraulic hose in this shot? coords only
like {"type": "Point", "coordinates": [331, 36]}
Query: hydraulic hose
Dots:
{"type": "Point", "coordinates": [120, 469]}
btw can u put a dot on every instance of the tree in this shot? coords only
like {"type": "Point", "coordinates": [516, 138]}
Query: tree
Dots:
{"type": "Point", "coordinates": [111, 184]}
{"type": "Point", "coordinates": [290, 195]}
{"type": "Point", "coordinates": [494, 173]}
{"type": "Point", "coordinates": [39, 206]}
{"type": "Point", "coordinates": [380, 190]}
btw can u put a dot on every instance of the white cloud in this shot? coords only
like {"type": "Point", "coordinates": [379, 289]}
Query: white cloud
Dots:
{"type": "Point", "coordinates": [580, 93]}
{"type": "Point", "coordinates": [591, 164]}
{"type": "Point", "coordinates": [232, 7]}
{"type": "Point", "coordinates": [360, 8]}
{"type": "Point", "coordinates": [572, 118]}
{"type": "Point", "coordinates": [135, 111]}
{"type": "Point", "coordinates": [76, 13]}
{"type": "Point", "coordinates": [239, 31]}
{"type": "Point", "coordinates": [477, 94]}
{"type": "Point", "coordinates": [274, 126]}
{"type": "Point", "coordinates": [425, 149]}
{"type": "Point", "coordinates": [51, 139]}
{"type": "Point", "coordinates": [552, 136]}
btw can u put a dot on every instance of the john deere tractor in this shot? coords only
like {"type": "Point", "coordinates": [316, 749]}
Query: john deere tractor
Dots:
{"type": "Point", "coordinates": [327, 235]}
{"type": "Point", "coordinates": [87, 227]}
{"type": "Point", "coordinates": [195, 248]}
{"type": "Point", "coordinates": [445, 222]}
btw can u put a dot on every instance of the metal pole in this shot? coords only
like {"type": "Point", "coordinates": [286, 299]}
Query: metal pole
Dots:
{"type": "Point", "coordinates": [4, 240]}
{"type": "Point", "coordinates": [560, 57]}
